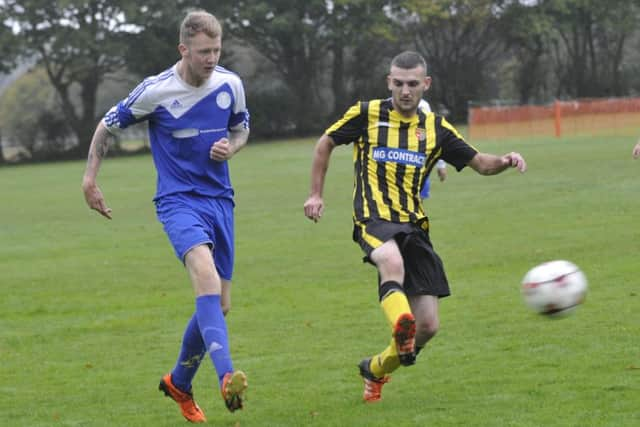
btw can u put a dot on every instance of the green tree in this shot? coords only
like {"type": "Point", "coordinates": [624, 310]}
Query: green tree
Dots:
{"type": "Point", "coordinates": [363, 39]}
{"type": "Point", "coordinates": [527, 31]}
{"type": "Point", "coordinates": [293, 36]}
{"type": "Point", "coordinates": [461, 42]}
{"type": "Point", "coordinates": [29, 118]}
{"type": "Point", "coordinates": [325, 54]}
{"type": "Point", "coordinates": [156, 47]}
{"type": "Point", "coordinates": [78, 43]}
{"type": "Point", "coordinates": [588, 47]}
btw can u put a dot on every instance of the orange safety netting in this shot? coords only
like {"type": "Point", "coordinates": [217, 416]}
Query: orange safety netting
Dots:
{"type": "Point", "coordinates": [611, 116]}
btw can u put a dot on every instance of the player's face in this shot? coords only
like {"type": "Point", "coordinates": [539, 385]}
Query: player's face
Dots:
{"type": "Point", "coordinates": [407, 87]}
{"type": "Point", "coordinates": [200, 56]}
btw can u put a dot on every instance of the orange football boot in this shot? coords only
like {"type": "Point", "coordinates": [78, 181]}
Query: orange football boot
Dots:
{"type": "Point", "coordinates": [190, 409]}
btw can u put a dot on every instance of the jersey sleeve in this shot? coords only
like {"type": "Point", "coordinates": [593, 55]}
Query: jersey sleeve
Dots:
{"type": "Point", "coordinates": [240, 114]}
{"type": "Point", "coordinates": [350, 127]}
{"type": "Point", "coordinates": [455, 149]}
{"type": "Point", "coordinates": [133, 109]}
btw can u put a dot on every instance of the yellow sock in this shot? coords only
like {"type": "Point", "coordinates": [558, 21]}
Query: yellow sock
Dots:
{"type": "Point", "coordinates": [395, 304]}
{"type": "Point", "coordinates": [385, 362]}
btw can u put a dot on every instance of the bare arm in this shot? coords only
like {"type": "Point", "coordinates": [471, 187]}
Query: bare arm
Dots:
{"type": "Point", "coordinates": [97, 151]}
{"type": "Point", "coordinates": [636, 150]}
{"type": "Point", "coordinates": [490, 164]}
{"type": "Point", "coordinates": [441, 167]}
{"type": "Point", "coordinates": [226, 148]}
{"type": "Point", "coordinates": [314, 205]}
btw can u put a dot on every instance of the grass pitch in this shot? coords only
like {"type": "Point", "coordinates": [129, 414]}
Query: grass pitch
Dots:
{"type": "Point", "coordinates": [92, 311]}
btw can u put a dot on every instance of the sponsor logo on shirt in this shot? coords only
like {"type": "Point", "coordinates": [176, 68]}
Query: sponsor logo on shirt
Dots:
{"type": "Point", "coordinates": [399, 155]}
{"type": "Point", "coordinates": [193, 132]}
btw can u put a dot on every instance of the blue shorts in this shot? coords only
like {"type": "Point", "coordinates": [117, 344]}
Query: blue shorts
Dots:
{"type": "Point", "coordinates": [191, 220]}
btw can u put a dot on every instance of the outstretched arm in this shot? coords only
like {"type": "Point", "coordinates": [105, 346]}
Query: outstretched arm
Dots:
{"type": "Point", "coordinates": [490, 164]}
{"type": "Point", "coordinates": [314, 205]}
{"type": "Point", "coordinates": [97, 151]}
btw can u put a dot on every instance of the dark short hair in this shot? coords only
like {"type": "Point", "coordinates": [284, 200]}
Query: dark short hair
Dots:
{"type": "Point", "coordinates": [408, 60]}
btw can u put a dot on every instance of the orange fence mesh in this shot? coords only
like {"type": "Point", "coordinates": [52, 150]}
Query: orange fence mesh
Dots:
{"type": "Point", "coordinates": [611, 116]}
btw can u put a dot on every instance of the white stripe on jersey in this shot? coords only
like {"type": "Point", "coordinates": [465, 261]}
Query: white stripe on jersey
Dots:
{"type": "Point", "coordinates": [424, 105]}
{"type": "Point", "coordinates": [168, 90]}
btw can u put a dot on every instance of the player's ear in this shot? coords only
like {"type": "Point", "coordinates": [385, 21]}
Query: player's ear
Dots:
{"type": "Point", "coordinates": [389, 86]}
{"type": "Point", "coordinates": [427, 83]}
{"type": "Point", "coordinates": [183, 49]}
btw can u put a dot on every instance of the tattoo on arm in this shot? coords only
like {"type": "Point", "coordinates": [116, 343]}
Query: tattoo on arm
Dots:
{"type": "Point", "coordinates": [101, 148]}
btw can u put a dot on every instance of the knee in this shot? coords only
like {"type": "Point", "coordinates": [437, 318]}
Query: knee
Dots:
{"type": "Point", "coordinates": [394, 266]}
{"type": "Point", "coordinates": [427, 325]}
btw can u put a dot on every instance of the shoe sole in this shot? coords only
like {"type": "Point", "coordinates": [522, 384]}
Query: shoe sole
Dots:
{"type": "Point", "coordinates": [404, 334]}
{"type": "Point", "coordinates": [235, 388]}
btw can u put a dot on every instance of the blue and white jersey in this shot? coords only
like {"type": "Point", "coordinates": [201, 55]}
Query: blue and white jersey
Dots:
{"type": "Point", "coordinates": [184, 121]}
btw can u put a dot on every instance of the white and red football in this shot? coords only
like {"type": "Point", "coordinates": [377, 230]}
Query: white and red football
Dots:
{"type": "Point", "coordinates": [554, 288]}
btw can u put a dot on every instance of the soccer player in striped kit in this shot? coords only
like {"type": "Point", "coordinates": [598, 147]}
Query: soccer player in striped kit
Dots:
{"type": "Point", "coordinates": [396, 145]}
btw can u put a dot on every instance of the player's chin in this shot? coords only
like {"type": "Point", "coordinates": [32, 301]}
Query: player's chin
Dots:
{"type": "Point", "coordinates": [408, 108]}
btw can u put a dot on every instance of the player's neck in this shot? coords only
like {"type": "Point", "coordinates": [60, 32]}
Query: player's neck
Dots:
{"type": "Point", "coordinates": [404, 113]}
{"type": "Point", "coordinates": [188, 77]}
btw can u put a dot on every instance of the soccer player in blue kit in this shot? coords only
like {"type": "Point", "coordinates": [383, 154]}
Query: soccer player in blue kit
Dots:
{"type": "Point", "coordinates": [198, 119]}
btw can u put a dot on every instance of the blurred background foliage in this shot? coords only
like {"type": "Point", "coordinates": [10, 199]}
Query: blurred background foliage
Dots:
{"type": "Point", "coordinates": [303, 62]}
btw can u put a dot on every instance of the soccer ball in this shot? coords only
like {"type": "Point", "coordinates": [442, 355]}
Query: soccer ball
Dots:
{"type": "Point", "coordinates": [554, 288]}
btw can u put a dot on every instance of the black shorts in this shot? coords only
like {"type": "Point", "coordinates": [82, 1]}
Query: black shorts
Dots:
{"type": "Point", "coordinates": [423, 269]}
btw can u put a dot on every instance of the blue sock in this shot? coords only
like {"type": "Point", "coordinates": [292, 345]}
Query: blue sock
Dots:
{"type": "Point", "coordinates": [213, 329]}
{"type": "Point", "coordinates": [191, 354]}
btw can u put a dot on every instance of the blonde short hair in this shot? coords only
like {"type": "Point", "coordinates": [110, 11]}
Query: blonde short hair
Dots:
{"type": "Point", "coordinates": [199, 21]}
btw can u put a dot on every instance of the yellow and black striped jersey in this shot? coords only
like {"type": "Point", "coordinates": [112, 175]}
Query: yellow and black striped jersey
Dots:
{"type": "Point", "coordinates": [393, 156]}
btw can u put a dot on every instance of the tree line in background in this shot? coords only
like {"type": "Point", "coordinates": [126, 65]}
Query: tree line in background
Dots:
{"type": "Point", "coordinates": [304, 61]}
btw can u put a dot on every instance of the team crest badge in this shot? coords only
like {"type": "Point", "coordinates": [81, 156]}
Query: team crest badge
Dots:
{"type": "Point", "coordinates": [421, 134]}
{"type": "Point", "coordinates": [223, 100]}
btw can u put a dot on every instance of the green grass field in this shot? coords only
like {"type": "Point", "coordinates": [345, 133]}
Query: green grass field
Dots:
{"type": "Point", "coordinates": [92, 311]}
